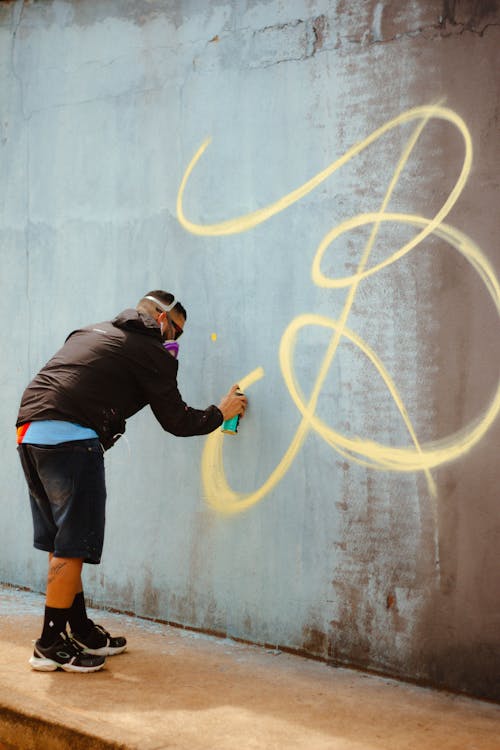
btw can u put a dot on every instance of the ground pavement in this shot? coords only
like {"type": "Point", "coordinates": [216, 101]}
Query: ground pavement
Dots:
{"type": "Point", "coordinates": [180, 690]}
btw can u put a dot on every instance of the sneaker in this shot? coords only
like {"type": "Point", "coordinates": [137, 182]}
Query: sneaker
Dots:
{"type": "Point", "coordinates": [64, 654]}
{"type": "Point", "coordinates": [99, 642]}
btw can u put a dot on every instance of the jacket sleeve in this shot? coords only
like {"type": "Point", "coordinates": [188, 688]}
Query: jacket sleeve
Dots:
{"type": "Point", "coordinates": [171, 411]}
{"type": "Point", "coordinates": [184, 420]}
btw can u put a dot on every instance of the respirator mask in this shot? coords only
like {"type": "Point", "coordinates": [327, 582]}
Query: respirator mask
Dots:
{"type": "Point", "coordinates": [172, 347]}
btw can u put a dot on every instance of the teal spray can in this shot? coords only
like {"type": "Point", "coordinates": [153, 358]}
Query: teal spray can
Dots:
{"type": "Point", "coordinates": [231, 425]}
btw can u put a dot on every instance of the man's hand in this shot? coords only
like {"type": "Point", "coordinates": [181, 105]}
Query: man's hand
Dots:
{"type": "Point", "coordinates": [233, 404]}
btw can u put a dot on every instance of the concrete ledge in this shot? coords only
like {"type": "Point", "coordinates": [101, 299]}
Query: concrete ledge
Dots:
{"type": "Point", "coordinates": [185, 691]}
{"type": "Point", "coordinates": [20, 731]}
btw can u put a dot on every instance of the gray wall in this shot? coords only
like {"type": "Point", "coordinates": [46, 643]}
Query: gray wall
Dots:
{"type": "Point", "coordinates": [353, 529]}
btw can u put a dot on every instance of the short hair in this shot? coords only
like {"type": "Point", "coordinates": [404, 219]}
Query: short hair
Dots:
{"type": "Point", "coordinates": [166, 298]}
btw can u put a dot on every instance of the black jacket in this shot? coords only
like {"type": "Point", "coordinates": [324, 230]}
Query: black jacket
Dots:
{"type": "Point", "coordinates": [107, 372]}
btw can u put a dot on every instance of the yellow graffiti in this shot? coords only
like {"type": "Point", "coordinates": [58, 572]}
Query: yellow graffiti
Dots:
{"type": "Point", "coordinates": [366, 452]}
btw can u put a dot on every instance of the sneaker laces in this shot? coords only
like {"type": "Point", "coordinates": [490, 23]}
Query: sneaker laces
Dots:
{"type": "Point", "coordinates": [72, 644]}
{"type": "Point", "coordinates": [102, 630]}
{"type": "Point", "coordinates": [94, 626]}
{"type": "Point", "coordinates": [113, 641]}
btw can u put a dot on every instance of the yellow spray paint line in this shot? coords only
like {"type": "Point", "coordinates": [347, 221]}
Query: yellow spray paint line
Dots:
{"type": "Point", "coordinates": [365, 452]}
{"type": "Point", "coordinates": [248, 221]}
{"type": "Point", "coordinates": [433, 453]}
{"type": "Point", "coordinates": [352, 294]}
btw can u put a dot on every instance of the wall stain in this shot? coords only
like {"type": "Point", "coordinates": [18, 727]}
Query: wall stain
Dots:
{"type": "Point", "coordinates": [319, 27]}
{"type": "Point", "coordinates": [475, 664]}
{"type": "Point", "coordinates": [314, 641]}
{"type": "Point", "coordinates": [469, 15]}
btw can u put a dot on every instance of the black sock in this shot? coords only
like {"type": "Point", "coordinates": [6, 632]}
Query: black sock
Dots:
{"type": "Point", "coordinates": [54, 623]}
{"type": "Point", "coordinates": [77, 618]}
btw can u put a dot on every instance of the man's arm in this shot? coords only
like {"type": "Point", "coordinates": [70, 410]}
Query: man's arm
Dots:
{"type": "Point", "coordinates": [176, 417]}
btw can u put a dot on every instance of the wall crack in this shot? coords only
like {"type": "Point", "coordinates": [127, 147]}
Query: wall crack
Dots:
{"type": "Point", "coordinates": [436, 31]}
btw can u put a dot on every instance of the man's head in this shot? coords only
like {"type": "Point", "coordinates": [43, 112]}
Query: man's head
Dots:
{"type": "Point", "coordinates": [169, 314]}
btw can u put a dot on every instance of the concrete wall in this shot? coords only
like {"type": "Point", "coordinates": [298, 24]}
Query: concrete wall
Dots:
{"type": "Point", "coordinates": [355, 516]}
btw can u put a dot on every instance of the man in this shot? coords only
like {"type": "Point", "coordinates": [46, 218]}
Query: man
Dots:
{"type": "Point", "coordinates": [70, 413]}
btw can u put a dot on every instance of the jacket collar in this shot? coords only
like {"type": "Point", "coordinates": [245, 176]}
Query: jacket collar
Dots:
{"type": "Point", "coordinates": [133, 320]}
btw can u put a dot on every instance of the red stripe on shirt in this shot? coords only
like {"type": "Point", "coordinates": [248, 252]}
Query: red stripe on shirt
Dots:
{"type": "Point", "coordinates": [21, 432]}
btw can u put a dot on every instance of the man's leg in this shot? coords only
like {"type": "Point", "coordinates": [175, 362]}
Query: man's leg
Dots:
{"type": "Point", "coordinates": [60, 591]}
{"type": "Point", "coordinates": [63, 582]}
{"type": "Point", "coordinates": [54, 650]}
{"type": "Point", "coordinates": [63, 482]}
{"type": "Point", "coordinates": [94, 639]}
{"type": "Point", "coordinates": [77, 618]}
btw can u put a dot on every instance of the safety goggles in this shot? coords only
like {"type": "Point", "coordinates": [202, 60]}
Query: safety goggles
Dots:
{"type": "Point", "coordinates": [167, 309]}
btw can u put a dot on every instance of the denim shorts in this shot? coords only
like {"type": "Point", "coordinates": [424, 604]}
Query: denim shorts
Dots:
{"type": "Point", "coordinates": [68, 497]}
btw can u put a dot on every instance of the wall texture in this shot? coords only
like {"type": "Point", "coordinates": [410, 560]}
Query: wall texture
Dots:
{"type": "Point", "coordinates": [336, 246]}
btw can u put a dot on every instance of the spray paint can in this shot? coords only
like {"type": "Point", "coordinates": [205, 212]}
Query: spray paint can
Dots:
{"type": "Point", "coordinates": [231, 425]}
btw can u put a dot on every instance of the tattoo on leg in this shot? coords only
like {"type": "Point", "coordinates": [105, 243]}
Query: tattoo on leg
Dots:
{"type": "Point", "coordinates": [55, 570]}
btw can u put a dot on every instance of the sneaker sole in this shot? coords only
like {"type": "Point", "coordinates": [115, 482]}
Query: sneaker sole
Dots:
{"type": "Point", "coordinates": [49, 665]}
{"type": "Point", "coordinates": [103, 651]}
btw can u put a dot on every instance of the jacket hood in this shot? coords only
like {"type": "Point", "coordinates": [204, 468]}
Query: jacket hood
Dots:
{"type": "Point", "coordinates": [132, 320]}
